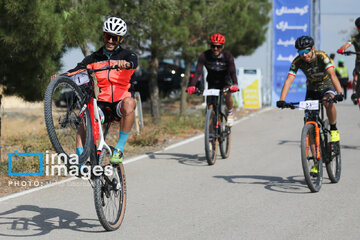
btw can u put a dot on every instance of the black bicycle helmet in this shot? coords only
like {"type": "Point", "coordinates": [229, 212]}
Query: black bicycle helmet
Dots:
{"type": "Point", "coordinates": [357, 22]}
{"type": "Point", "coordinates": [304, 42]}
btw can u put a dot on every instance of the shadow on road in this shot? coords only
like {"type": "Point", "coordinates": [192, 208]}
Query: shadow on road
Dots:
{"type": "Point", "coordinates": [289, 142]}
{"type": "Point", "coordinates": [292, 184]}
{"type": "Point", "coordinates": [187, 159]}
{"type": "Point", "coordinates": [13, 224]}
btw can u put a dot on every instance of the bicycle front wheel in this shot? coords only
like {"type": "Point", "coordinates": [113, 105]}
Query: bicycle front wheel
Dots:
{"type": "Point", "coordinates": [62, 106]}
{"type": "Point", "coordinates": [225, 138]}
{"type": "Point", "coordinates": [312, 165]}
{"type": "Point", "coordinates": [333, 162]}
{"type": "Point", "coordinates": [211, 140]}
{"type": "Point", "coordinates": [110, 193]}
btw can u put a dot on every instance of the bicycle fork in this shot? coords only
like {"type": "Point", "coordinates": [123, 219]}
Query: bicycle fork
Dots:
{"type": "Point", "coordinates": [317, 140]}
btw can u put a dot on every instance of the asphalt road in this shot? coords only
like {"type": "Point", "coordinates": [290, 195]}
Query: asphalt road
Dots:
{"type": "Point", "coordinates": [258, 193]}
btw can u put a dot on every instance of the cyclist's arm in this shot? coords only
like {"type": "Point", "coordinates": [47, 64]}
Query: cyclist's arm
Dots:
{"type": "Point", "coordinates": [334, 79]}
{"type": "Point", "coordinates": [132, 59]}
{"type": "Point", "coordinates": [198, 70]}
{"type": "Point", "coordinates": [79, 67]}
{"type": "Point", "coordinates": [287, 84]}
{"type": "Point", "coordinates": [346, 45]}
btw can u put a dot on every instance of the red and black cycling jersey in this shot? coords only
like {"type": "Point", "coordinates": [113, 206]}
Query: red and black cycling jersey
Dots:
{"type": "Point", "coordinates": [220, 69]}
{"type": "Point", "coordinates": [355, 40]}
{"type": "Point", "coordinates": [113, 84]}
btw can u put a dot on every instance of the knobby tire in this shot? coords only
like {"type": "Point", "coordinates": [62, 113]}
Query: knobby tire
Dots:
{"type": "Point", "coordinates": [307, 159]}
{"type": "Point", "coordinates": [110, 202]}
{"type": "Point", "coordinates": [225, 139]}
{"type": "Point", "coordinates": [66, 119]}
{"type": "Point", "coordinates": [211, 140]}
{"type": "Point", "coordinates": [333, 161]}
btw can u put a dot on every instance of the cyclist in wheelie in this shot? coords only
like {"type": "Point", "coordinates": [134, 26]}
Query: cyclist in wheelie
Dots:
{"type": "Point", "coordinates": [355, 40]}
{"type": "Point", "coordinates": [322, 81]}
{"type": "Point", "coordinates": [114, 98]}
{"type": "Point", "coordinates": [221, 71]}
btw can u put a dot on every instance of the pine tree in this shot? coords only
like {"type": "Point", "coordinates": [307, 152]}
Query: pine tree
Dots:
{"type": "Point", "coordinates": [31, 46]}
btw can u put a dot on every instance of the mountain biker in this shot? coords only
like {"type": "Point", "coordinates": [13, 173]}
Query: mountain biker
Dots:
{"type": "Point", "coordinates": [114, 84]}
{"type": "Point", "coordinates": [221, 71]}
{"type": "Point", "coordinates": [322, 82]}
{"type": "Point", "coordinates": [355, 40]}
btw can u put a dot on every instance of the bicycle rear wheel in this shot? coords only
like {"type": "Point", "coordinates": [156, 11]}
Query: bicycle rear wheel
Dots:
{"type": "Point", "coordinates": [309, 158]}
{"type": "Point", "coordinates": [211, 140]}
{"type": "Point", "coordinates": [62, 105]}
{"type": "Point", "coordinates": [333, 163]}
{"type": "Point", "coordinates": [225, 138]}
{"type": "Point", "coordinates": [110, 193]}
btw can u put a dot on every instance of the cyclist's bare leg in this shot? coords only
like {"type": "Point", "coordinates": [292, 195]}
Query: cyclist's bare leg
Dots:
{"type": "Point", "coordinates": [312, 144]}
{"type": "Point", "coordinates": [127, 120]}
{"type": "Point", "coordinates": [128, 114]}
{"type": "Point", "coordinates": [229, 101]}
{"type": "Point", "coordinates": [80, 136]}
{"type": "Point", "coordinates": [355, 82]}
{"type": "Point", "coordinates": [330, 110]}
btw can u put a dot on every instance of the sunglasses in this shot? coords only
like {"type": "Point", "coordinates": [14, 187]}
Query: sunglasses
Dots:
{"type": "Point", "coordinates": [216, 46]}
{"type": "Point", "coordinates": [304, 51]}
{"type": "Point", "coordinates": [112, 37]}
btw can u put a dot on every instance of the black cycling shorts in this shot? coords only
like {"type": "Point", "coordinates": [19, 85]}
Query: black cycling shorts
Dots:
{"type": "Point", "coordinates": [110, 110]}
{"type": "Point", "coordinates": [219, 85]}
{"type": "Point", "coordinates": [318, 95]}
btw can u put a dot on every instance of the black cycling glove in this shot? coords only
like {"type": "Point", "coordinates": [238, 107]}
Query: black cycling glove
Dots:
{"type": "Point", "coordinates": [280, 104]}
{"type": "Point", "coordinates": [353, 97]}
{"type": "Point", "coordinates": [339, 97]}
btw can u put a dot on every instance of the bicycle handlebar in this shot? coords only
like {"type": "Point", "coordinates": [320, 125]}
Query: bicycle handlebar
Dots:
{"type": "Point", "coordinates": [107, 68]}
{"type": "Point", "coordinates": [351, 52]}
{"type": "Point", "coordinates": [198, 91]}
{"type": "Point", "coordinates": [293, 105]}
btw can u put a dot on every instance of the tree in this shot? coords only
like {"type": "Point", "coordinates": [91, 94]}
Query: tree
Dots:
{"type": "Point", "coordinates": [34, 35]}
{"type": "Point", "coordinates": [244, 28]}
{"type": "Point", "coordinates": [192, 41]}
{"type": "Point", "coordinates": [83, 22]}
{"type": "Point", "coordinates": [31, 46]}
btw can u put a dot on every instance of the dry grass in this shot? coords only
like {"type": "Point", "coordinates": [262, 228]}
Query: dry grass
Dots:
{"type": "Point", "coordinates": [23, 129]}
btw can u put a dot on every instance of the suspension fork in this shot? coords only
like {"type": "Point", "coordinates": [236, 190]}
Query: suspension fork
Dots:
{"type": "Point", "coordinates": [317, 140]}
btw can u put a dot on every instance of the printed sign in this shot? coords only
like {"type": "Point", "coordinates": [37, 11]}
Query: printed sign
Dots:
{"type": "Point", "coordinates": [291, 20]}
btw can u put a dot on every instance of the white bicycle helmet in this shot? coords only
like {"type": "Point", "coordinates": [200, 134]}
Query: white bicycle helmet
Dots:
{"type": "Point", "coordinates": [115, 26]}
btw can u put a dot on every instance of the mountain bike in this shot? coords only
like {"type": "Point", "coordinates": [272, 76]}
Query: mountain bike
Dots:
{"type": "Point", "coordinates": [216, 130]}
{"type": "Point", "coordinates": [71, 115]}
{"type": "Point", "coordinates": [316, 147]}
{"type": "Point", "coordinates": [355, 98]}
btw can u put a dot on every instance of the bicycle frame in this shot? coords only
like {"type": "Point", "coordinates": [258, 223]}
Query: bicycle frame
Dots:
{"type": "Point", "coordinates": [91, 103]}
{"type": "Point", "coordinates": [216, 100]}
{"type": "Point", "coordinates": [316, 117]}
{"type": "Point", "coordinates": [98, 134]}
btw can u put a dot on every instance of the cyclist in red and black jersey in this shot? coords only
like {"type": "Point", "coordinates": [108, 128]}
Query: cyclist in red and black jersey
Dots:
{"type": "Point", "coordinates": [113, 84]}
{"type": "Point", "coordinates": [221, 71]}
{"type": "Point", "coordinates": [355, 40]}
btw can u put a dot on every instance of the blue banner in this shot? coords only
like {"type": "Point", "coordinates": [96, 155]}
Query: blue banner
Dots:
{"type": "Point", "coordinates": [291, 20]}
